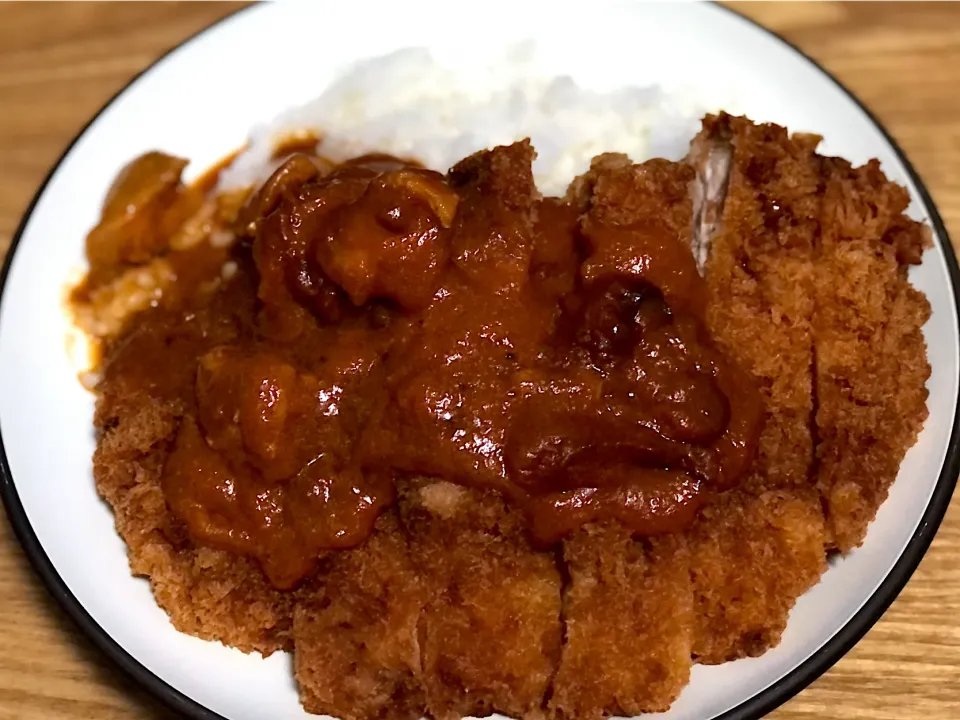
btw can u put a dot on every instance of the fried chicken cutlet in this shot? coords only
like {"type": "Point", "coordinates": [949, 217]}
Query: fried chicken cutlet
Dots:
{"type": "Point", "coordinates": [799, 258]}
{"type": "Point", "coordinates": [207, 592]}
{"type": "Point", "coordinates": [759, 270]}
{"type": "Point", "coordinates": [450, 607]}
{"type": "Point", "coordinates": [355, 632]}
{"type": "Point", "coordinates": [627, 605]}
{"type": "Point", "coordinates": [490, 636]}
{"type": "Point", "coordinates": [628, 620]}
{"type": "Point", "coordinates": [491, 632]}
{"type": "Point", "coordinates": [759, 267]}
{"type": "Point", "coordinates": [752, 556]}
{"type": "Point", "coordinates": [871, 360]}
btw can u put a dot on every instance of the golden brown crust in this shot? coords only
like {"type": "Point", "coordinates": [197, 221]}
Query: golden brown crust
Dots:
{"type": "Point", "coordinates": [871, 359]}
{"type": "Point", "coordinates": [623, 194]}
{"type": "Point", "coordinates": [758, 549]}
{"type": "Point", "coordinates": [505, 172]}
{"type": "Point", "coordinates": [357, 652]}
{"type": "Point", "coordinates": [628, 624]}
{"type": "Point", "coordinates": [208, 593]}
{"type": "Point", "coordinates": [448, 609]}
{"type": "Point", "coordinates": [490, 636]}
{"type": "Point", "coordinates": [627, 604]}
{"type": "Point", "coordinates": [751, 557]}
{"type": "Point", "coordinates": [760, 274]}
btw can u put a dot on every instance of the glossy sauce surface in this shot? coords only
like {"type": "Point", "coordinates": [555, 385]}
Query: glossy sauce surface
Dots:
{"type": "Point", "coordinates": [385, 320]}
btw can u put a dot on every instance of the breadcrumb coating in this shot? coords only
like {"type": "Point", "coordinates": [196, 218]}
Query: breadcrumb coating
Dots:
{"type": "Point", "coordinates": [628, 616]}
{"type": "Point", "coordinates": [760, 275]}
{"type": "Point", "coordinates": [628, 604]}
{"type": "Point", "coordinates": [871, 360]}
{"type": "Point", "coordinates": [355, 632]}
{"type": "Point", "coordinates": [490, 636]}
{"type": "Point", "coordinates": [208, 593]}
{"type": "Point", "coordinates": [751, 557]}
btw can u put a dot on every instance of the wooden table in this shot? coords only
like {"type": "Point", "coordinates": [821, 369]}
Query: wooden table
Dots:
{"type": "Point", "coordinates": [60, 63]}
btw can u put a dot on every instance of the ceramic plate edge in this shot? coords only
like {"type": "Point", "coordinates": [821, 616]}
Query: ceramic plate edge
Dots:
{"type": "Point", "coordinates": [761, 703]}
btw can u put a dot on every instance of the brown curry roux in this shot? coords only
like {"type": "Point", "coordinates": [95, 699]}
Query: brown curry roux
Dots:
{"type": "Point", "coordinates": [385, 320]}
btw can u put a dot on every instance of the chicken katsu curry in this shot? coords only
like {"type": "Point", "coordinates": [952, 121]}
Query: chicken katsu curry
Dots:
{"type": "Point", "coordinates": [463, 448]}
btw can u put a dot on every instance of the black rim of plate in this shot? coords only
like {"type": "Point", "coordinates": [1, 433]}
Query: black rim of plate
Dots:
{"type": "Point", "coordinates": [755, 707]}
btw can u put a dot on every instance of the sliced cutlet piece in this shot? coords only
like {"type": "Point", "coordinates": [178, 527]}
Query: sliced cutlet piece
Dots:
{"type": "Point", "coordinates": [871, 364]}
{"type": "Point", "coordinates": [356, 650]}
{"type": "Point", "coordinates": [627, 606]}
{"type": "Point", "coordinates": [759, 199]}
{"type": "Point", "coordinates": [629, 620]}
{"type": "Point", "coordinates": [752, 556]}
{"type": "Point", "coordinates": [490, 636]}
{"type": "Point", "coordinates": [759, 270]}
{"type": "Point", "coordinates": [630, 208]}
{"type": "Point", "coordinates": [209, 593]}
{"type": "Point", "coordinates": [449, 408]}
{"type": "Point", "coordinates": [617, 192]}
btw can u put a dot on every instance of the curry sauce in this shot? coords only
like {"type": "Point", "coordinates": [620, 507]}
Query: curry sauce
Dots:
{"type": "Point", "coordinates": [380, 320]}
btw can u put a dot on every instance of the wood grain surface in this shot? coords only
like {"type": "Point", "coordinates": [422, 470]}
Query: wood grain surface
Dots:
{"type": "Point", "coordinates": [60, 62]}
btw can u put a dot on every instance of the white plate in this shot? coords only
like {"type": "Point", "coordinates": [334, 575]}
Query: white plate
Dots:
{"type": "Point", "coordinates": [200, 100]}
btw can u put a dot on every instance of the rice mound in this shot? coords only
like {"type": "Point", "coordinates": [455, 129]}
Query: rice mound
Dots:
{"type": "Point", "coordinates": [410, 105]}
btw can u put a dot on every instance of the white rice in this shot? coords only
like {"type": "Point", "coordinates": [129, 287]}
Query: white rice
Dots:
{"type": "Point", "coordinates": [409, 105]}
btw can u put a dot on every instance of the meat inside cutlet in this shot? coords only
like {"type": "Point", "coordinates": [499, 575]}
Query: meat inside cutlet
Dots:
{"type": "Point", "coordinates": [208, 593]}
{"type": "Point", "coordinates": [628, 624]}
{"type": "Point", "coordinates": [357, 654]}
{"type": "Point", "coordinates": [871, 363]}
{"type": "Point", "coordinates": [627, 605]}
{"type": "Point", "coordinates": [490, 636]}
{"type": "Point", "coordinates": [761, 547]}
